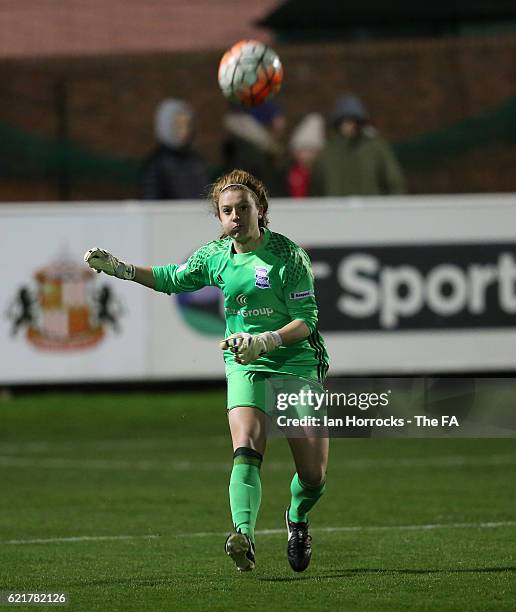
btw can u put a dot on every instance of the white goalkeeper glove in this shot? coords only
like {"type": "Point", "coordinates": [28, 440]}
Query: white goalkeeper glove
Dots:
{"type": "Point", "coordinates": [248, 347]}
{"type": "Point", "coordinates": [102, 261]}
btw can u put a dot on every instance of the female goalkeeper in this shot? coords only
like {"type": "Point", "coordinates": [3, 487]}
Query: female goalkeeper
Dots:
{"type": "Point", "coordinates": [271, 318]}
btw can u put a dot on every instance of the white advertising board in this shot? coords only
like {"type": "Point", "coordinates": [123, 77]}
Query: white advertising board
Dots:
{"type": "Point", "coordinates": [404, 284]}
{"type": "Point", "coordinates": [60, 321]}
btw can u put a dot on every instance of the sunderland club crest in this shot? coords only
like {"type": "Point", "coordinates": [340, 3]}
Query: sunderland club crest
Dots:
{"type": "Point", "coordinates": [63, 309]}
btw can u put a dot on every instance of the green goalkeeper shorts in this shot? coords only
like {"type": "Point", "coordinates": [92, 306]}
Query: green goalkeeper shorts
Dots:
{"type": "Point", "coordinates": [260, 389]}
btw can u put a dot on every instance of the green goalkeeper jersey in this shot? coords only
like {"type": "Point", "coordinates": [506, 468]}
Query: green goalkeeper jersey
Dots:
{"type": "Point", "coordinates": [263, 290]}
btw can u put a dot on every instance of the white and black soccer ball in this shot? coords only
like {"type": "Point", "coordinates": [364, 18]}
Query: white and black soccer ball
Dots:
{"type": "Point", "coordinates": [250, 73]}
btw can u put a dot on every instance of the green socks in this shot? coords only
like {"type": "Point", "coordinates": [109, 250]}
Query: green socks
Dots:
{"type": "Point", "coordinates": [245, 489]}
{"type": "Point", "coordinates": [304, 498]}
{"type": "Point", "coordinates": [245, 492]}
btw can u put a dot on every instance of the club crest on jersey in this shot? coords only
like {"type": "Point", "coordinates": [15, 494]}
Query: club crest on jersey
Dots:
{"type": "Point", "coordinates": [262, 278]}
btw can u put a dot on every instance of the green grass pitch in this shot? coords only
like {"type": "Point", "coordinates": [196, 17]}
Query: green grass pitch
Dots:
{"type": "Point", "coordinates": [121, 501]}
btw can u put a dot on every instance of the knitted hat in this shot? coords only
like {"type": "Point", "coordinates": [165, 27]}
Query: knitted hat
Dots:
{"type": "Point", "coordinates": [349, 107]}
{"type": "Point", "coordinates": [309, 133]}
{"type": "Point", "coordinates": [266, 112]}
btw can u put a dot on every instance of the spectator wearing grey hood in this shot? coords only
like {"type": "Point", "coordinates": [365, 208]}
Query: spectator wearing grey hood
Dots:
{"type": "Point", "coordinates": [174, 170]}
{"type": "Point", "coordinates": [357, 160]}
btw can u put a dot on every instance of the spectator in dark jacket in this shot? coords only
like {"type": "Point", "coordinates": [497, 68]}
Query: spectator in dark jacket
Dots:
{"type": "Point", "coordinates": [174, 170]}
{"type": "Point", "coordinates": [357, 160]}
{"type": "Point", "coordinates": [254, 142]}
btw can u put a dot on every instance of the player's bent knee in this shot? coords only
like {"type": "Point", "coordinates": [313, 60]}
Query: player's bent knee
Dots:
{"type": "Point", "coordinates": [312, 478]}
{"type": "Point", "coordinates": [247, 443]}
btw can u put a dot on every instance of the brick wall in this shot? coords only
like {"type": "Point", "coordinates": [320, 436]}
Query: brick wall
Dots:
{"type": "Point", "coordinates": [410, 87]}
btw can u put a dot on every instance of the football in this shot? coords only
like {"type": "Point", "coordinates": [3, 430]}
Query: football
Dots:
{"type": "Point", "coordinates": [250, 73]}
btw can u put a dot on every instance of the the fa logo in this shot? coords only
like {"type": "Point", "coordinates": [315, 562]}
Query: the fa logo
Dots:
{"type": "Point", "coordinates": [262, 278]}
{"type": "Point", "coordinates": [449, 421]}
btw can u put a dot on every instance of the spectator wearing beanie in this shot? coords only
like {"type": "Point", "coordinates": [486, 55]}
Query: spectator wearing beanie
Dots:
{"type": "Point", "coordinates": [356, 160]}
{"type": "Point", "coordinates": [306, 142]}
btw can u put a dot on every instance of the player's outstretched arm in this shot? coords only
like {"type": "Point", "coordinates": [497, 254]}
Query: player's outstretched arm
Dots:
{"type": "Point", "coordinates": [101, 260]}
